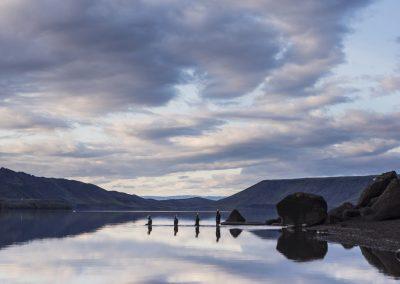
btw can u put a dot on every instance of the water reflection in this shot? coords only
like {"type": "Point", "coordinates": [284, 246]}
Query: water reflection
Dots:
{"type": "Point", "coordinates": [111, 247]}
{"type": "Point", "coordinates": [235, 232]}
{"type": "Point", "coordinates": [385, 261]}
{"type": "Point", "coordinates": [218, 232]}
{"type": "Point", "coordinates": [299, 246]}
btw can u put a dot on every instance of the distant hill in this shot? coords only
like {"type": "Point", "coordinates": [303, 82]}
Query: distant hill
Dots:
{"type": "Point", "coordinates": [210, 197]}
{"type": "Point", "coordinates": [21, 190]}
{"type": "Point", "coordinates": [335, 190]}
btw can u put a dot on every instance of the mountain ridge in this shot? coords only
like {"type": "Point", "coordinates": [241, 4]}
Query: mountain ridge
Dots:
{"type": "Point", "coordinates": [17, 189]}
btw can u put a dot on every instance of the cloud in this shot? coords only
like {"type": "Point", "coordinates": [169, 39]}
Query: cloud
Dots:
{"type": "Point", "coordinates": [24, 119]}
{"type": "Point", "coordinates": [389, 85]}
{"type": "Point", "coordinates": [146, 91]}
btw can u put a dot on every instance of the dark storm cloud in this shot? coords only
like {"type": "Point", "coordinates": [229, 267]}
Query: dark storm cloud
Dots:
{"type": "Point", "coordinates": [136, 52]}
{"type": "Point", "coordinates": [132, 52]}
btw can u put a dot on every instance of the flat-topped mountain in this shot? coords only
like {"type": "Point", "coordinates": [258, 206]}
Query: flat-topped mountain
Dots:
{"type": "Point", "coordinates": [21, 190]}
{"type": "Point", "coordinates": [335, 190]}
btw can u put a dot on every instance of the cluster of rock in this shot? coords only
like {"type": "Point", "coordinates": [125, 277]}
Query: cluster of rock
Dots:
{"type": "Point", "coordinates": [379, 201]}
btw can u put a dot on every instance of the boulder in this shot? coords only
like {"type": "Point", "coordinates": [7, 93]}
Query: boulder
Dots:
{"type": "Point", "coordinates": [366, 211]}
{"type": "Point", "coordinates": [336, 215]}
{"type": "Point", "coordinates": [376, 188]}
{"type": "Point", "coordinates": [235, 217]}
{"type": "Point", "coordinates": [350, 213]}
{"type": "Point", "coordinates": [388, 204]}
{"type": "Point", "coordinates": [276, 221]}
{"type": "Point", "coordinates": [372, 201]}
{"type": "Point", "coordinates": [302, 209]}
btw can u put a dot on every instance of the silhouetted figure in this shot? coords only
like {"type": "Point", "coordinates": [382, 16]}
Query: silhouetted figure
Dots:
{"type": "Point", "coordinates": [197, 221]}
{"type": "Point", "coordinates": [149, 221]}
{"type": "Point", "coordinates": [197, 231]}
{"type": "Point", "coordinates": [218, 233]}
{"type": "Point", "coordinates": [176, 225]}
{"type": "Point", "coordinates": [218, 217]}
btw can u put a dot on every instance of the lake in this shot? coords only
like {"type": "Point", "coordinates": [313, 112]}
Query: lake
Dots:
{"type": "Point", "coordinates": [116, 247]}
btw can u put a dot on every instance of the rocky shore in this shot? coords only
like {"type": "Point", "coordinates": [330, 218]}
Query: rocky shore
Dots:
{"type": "Point", "coordinates": [373, 222]}
{"type": "Point", "coordinates": [382, 235]}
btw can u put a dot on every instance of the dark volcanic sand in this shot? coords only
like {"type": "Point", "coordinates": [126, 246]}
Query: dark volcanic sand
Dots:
{"type": "Point", "coordinates": [382, 235]}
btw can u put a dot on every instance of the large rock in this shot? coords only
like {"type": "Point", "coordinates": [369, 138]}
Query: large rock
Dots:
{"type": "Point", "coordinates": [376, 188]}
{"type": "Point", "coordinates": [235, 217]}
{"type": "Point", "coordinates": [388, 204]}
{"type": "Point", "coordinates": [336, 214]}
{"type": "Point", "coordinates": [274, 222]}
{"type": "Point", "coordinates": [302, 209]}
{"type": "Point", "coordinates": [350, 213]}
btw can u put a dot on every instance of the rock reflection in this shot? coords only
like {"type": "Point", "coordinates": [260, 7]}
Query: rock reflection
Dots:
{"type": "Point", "coordinates": [385, 261]}
{"type": "Point", "coordinates": [300, 246]}
{"type": "Point", "coordinates": [235, 232]}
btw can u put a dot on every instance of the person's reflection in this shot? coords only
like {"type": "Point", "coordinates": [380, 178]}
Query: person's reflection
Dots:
{"type": "Point", "coordinates": [149, 224]}
{"type": "Point", "coordinates": [218, 233]}
{"type": "Point", "coordinates": [197, 231]}
{"type": "Point", "coordinates": [176, 225]}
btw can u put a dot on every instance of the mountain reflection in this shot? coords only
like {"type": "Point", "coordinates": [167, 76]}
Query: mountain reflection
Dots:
{"type": "Point", "coordinates": [297, 246]}
{"type": "Point", "coordinates": [23, 226]}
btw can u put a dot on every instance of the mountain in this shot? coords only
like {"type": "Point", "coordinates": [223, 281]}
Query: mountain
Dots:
{"type": "Point", "coordinates": [21, 190]}
{"type": "Point", "coordinates": [335, 190]}
{"type": "Point", "coordinates": [210, 197]}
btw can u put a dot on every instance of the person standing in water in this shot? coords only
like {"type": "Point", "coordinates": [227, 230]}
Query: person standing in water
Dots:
{"type": "Point", "coordinates": [149, 221]}
{"type": "Point", "coordinates": [176, 225]}
{"type": "Point", "coordinates": [218, 217]}
{"type": "Point", "coordinates": [197, 221]}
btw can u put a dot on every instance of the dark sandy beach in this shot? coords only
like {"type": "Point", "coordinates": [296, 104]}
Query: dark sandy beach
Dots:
{"type": "Point", "coordinates": [382, 235]}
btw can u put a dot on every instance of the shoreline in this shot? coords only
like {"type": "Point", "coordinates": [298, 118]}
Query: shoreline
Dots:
{"type": "Point", "coordinates": [382, 235]}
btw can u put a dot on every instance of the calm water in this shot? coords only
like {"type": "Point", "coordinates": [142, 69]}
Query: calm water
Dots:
{"type": "Point", "coordinates": [118, 248]}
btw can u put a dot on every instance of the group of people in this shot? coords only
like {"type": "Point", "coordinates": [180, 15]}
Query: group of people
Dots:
{"type": "Point", "coordinates": [196, 224]}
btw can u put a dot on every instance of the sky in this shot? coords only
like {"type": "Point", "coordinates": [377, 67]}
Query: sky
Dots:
{"type": "Point", "coordinates": [199, 97]}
